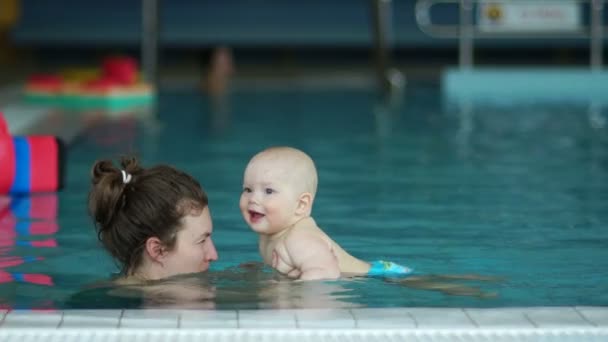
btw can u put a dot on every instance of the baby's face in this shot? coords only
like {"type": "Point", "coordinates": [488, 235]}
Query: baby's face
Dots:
{"type": "Point", "coordinates": [269, 198]}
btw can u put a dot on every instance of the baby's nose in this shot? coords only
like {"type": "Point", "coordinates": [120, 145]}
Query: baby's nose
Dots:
{"type": "Point", "coordinates": [254, 196]}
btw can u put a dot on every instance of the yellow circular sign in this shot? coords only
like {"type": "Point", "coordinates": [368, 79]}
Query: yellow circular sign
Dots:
{"type": "Point", "coordinates": [493, 12]}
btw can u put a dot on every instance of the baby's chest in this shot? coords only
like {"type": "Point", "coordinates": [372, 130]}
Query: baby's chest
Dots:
{"type": "Point", "coordinates": [276, 256]}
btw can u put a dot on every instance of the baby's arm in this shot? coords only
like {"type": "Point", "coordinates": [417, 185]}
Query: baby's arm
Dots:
{"type": "Point", "coordinates": [312, 256]}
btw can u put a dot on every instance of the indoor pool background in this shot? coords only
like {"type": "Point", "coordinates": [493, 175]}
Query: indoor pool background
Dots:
{"type": "Point", "coordinates": [519, 193]}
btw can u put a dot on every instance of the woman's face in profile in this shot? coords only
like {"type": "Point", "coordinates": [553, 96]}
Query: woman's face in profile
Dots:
{"type": "Point", "coordinates": [194, 249]}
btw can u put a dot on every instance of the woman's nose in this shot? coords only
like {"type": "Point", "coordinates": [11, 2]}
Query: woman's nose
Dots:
{"type": "Point", "coordinates": [211, 252]}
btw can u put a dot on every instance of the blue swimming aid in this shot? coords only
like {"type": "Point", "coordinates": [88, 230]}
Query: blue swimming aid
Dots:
{"type": "Point", "coordinates": [383, 268]}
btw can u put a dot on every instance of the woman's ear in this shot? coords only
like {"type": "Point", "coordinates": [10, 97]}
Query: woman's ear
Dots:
{"type": "Point", "coordinates": [155, 249]}
{"type": "Point", "coordinates": [304, 204]}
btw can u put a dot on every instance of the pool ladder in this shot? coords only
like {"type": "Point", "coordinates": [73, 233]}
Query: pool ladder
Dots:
{"type": "Point", "coordinates": [466, 31]}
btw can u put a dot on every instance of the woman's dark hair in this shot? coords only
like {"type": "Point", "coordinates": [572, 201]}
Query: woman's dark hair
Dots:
{"type": "Point", "coordinates": [132, 206]}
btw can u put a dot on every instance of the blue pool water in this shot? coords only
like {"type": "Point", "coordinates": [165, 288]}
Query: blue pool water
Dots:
{"type": "Point", "coordinates": [519, 193]}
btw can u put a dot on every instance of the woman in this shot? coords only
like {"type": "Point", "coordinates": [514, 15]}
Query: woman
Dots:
{"type": "Point", "coordinates": [154, 221]}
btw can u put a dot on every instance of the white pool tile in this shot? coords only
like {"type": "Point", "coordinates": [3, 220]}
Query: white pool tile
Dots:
{"type": "Point", "coordinates": [91, 318]}
{"type": "Point", "coordinates": [391, 318]}
{"type": "Point", "coordinates": [149, 319]}
{"type": "Point", "coordinates": [325, 319]}
{"type": "Point", "coordinates": [266, 319]}
{"type": "Point", "coordinates": [29, 319]}
{"type": "Point", "coordinates": [555, 317]}
{"type": "Point", "coordinates": [542, 319]}
{"type": "Point", "coordinates": [499, 318]}
{"type": "Point", "coordinates": [598, 316]}
{"type": "Point", "coordinates": [441, 318]}
{"type": "Point", "coordinates": [197, 319]}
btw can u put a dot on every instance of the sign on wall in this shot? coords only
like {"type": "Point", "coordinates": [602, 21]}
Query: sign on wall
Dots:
{"type": "Point", "coordinates": [538, 16]}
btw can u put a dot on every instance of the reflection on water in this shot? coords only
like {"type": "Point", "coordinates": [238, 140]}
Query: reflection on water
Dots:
{"type": "Point", "coordinates": [27, 224]}
{"type": "Point", "coordinates": [234, 288]}
{"type": "Point", "coordinates": [258, 287]}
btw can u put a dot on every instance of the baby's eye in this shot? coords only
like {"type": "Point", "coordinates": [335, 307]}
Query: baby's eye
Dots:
{"type": "Point", "coordinates": [269, 191]}
{"type": "Point", "coordinates": [246, 189]}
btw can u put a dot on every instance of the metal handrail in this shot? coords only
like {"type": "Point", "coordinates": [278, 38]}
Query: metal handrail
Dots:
{"type": "Point", "coordinates": [150, 31]}
{"type": "Point", "coordinates": [425, 24]}
{"type": "Point", "coordinates": [597, 34]}
{"type": "Point", "coordinates": [381, 29]}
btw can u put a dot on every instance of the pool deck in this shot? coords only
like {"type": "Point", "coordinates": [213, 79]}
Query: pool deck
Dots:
{"type": "Point", "coordinates": [418, 324]}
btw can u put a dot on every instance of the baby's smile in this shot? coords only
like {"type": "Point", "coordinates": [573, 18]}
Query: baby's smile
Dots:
{"type": "Point", "coordinates": [254, 216]}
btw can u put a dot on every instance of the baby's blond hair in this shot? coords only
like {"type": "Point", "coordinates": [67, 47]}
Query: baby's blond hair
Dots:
{"type": "Point", "coordinates": [302, 170]}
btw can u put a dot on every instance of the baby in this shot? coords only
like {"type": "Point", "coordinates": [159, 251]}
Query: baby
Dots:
{"type": "Point", "coordinates": [279, 189]}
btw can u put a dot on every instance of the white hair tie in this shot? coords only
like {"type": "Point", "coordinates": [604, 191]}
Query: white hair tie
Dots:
{"type": "Point", "coordinates": [126, 178]}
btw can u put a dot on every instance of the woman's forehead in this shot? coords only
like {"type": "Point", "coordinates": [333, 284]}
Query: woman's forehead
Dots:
{"type": "Point", "coordinates": [198, 221]}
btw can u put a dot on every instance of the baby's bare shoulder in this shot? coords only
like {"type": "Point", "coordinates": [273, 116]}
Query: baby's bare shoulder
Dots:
{"type": "Point", "coordinates": [305, 235]}
{"type": "Point", "coordinates": [304, 229]}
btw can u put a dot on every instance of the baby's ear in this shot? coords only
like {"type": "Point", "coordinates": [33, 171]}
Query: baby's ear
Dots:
{"type": "Point", "coordinates": [155, 248]}
{"type": "Point", "coordinates": [304, 204]}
